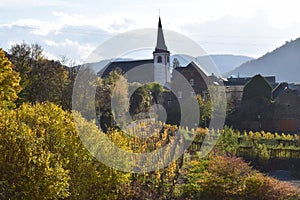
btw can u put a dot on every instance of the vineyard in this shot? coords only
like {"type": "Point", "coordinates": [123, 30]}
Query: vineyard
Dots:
{"type": "Point", "coordinates": [265, 150]}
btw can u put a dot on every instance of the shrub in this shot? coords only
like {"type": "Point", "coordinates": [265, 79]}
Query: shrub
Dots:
{"type": "Point", "coordinates": [232, 178]}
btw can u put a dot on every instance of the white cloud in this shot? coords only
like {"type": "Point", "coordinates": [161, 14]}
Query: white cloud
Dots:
{"type": "Point", "coordinates": [253, 36]}
{"type": "Point", "coordinates": [68, 47]}
{"type": "Point", "coordinates": [231, 26]}
{"type": "Point", "coordinates": [38, 27]}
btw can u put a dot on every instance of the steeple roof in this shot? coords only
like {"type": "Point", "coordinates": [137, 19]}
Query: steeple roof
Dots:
{"type": "Point", "coordinates": [160, 45]}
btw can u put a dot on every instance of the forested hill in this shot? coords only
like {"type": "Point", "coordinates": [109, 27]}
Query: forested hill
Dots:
{"type": "Point", "coordinates": [225, 62]}
{"type": "Point", "coordinates": [283, 62]}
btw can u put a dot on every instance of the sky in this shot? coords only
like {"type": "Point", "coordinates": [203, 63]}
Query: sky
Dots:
{"type": "Point", "coordinates": [74, 28]}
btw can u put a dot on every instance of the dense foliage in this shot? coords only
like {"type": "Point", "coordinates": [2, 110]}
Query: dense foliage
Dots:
{"type": "Point", "coordinates": [42, 157]}
{"type": "Point", "coordinates": [9, 82]}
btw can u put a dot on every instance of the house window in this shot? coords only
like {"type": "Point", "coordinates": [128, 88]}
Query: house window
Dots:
{"type": "Point", "coordinates": [168, 59]}
{"type": "Point", "coordinates": [179, 94]}
{"type": "Point", "coordinates": [192, 82]}
{"type": "Point", "coordinates": [159, 59]}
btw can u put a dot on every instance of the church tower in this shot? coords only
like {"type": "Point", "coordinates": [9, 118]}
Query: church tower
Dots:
{"type": "Point", "coordinates": [161, 58]}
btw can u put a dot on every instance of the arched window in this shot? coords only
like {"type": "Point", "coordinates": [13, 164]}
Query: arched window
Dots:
{"type": "Point", "coordinates": [159, 59]}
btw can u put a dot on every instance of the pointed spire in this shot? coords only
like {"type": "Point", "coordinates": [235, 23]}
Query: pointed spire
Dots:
{"type": "Point", "coordinates": [160, 45]}
{"type": "Point", "coordinates": [159, 23]}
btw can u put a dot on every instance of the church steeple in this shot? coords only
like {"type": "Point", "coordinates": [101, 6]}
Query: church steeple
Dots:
{"type": "Point", "coordinates": [160, 44]}
{"type": "Point", "coordinates": [161, 58]}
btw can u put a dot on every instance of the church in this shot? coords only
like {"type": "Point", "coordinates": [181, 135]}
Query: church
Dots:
{"type": "Point", "coordinates": [158, 69]}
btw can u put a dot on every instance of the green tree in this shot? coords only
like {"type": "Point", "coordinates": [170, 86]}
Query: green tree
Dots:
{"type": "Point", "coordinates": [114, 87]}
{"type": "Point", "coordinates": [20, 56]}
{"type": "Point", "coordinates": [140, 100]}
{"type": "Point", "coordinates": [156, 90]}
{"type": "Point", "coordinates": [48, 80]}
{"type": "Point", "coordinates": [41, 79]}
{"type": "Point", "coordinates": [9, 82]}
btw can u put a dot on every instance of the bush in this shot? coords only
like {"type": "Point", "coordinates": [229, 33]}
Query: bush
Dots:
{"type": "Point", "coordinates": [232, 178]}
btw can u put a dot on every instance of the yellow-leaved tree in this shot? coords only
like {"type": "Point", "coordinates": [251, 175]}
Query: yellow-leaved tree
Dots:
{"type": "Point", "coordinates": [42, 157]}
{"type": "Point", "coordinates": [9, 82]}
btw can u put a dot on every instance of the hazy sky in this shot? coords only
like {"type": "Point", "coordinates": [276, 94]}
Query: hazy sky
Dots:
{"type": "Point", "coordinates": [74, 28]}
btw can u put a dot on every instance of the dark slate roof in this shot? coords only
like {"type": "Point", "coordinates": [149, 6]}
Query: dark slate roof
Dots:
{"type": "Point", "coordinates": [192, 65]}
{"type": "Point", "coordinates": [279, 89]}
{"type": "Point", "coordinates": [125, 66]}
{"type": "Point", "coordinates": [243, 80]}
{"type": "Point", "coordinates": [141, 71]}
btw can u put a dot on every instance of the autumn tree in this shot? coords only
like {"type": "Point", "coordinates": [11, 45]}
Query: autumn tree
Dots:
{"type": "Point", "coordinates": [30, 162]}
{"type": "Point", "coordinates": [42, 157]}
{"type": "Point", "coordinates": [9, 82]}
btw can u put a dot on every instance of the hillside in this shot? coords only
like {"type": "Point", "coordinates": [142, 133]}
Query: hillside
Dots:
{"type": "Point", "coordinates": [226, 62]}
{"type": "Point", "coordinates": [223, 62]}
{"type": "Point", "coordinates": [283, 62]}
